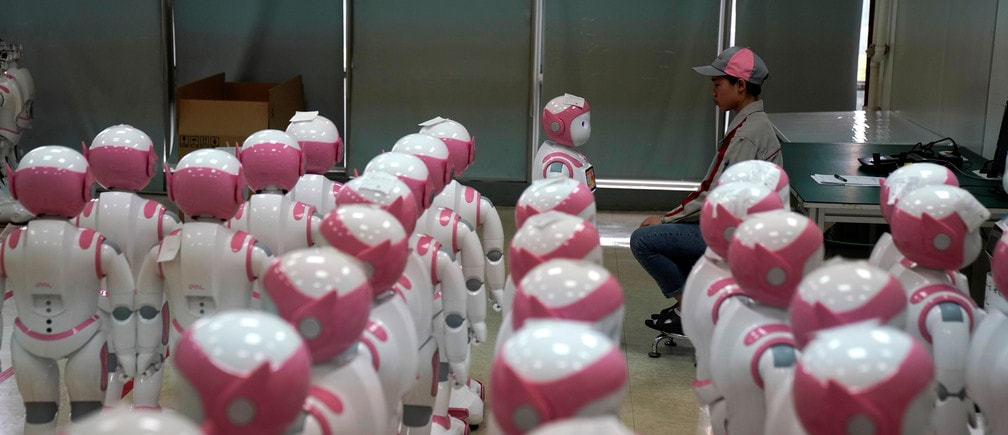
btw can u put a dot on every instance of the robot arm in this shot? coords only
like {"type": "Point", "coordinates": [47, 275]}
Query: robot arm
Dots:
{"type": "Point", "coordinates": [315, 230]}
{"type": "Point", "coordinates": [454, 300]}
{"type": "Point", "coordinates": [121, 287]}
{"type": "Point", "coordinates": [474, 269]}
{"type": "Point", "coordinates": [258, 261]}
{"type": "Point", "coordinates": [169, 222]}
{"type": "Point", "coordinates": [776, 366]}
{"type": "Point", "coordinates": [493, 249]}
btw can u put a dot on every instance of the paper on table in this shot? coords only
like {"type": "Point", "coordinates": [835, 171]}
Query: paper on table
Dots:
{"type": "Point", "coordinates": [847, 180]}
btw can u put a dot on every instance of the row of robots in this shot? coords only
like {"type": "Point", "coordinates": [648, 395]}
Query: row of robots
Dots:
{"type": "Point", "coordinates": [308, 306]}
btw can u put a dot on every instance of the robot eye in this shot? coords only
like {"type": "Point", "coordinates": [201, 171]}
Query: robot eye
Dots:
{"type": "Point", "coordinates": [583, 123]}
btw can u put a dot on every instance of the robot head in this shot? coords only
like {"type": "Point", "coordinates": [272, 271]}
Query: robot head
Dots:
{"type": "Point", "coordinates": [771, 252]}
{"type": "Point", "coordinates": [52, 180]}
{"type": "Point", "coordinates": [549, 236]}
{"type": "Point", "coordinates": [408, 168]}
{"type": "Point", "coordinates": [572, 290]}
{"type": "Point", "coordinates": [938, 226]}
{"type": "Point", "coordinates": [555, 369]}
{"type": "Point", "coordinates": [242, 371]}
{"type": "Point", "coordinates": [319, 139]}
{"type": "Point", "coordinates": [907, 178]}
{"type": "Point", "coordinates": [122, 157]}
{"type": "Point", "coordinates": [556, 193]}
{"type": "Point", "coordinates": [461, 146]}
{"type": "Point", "coordinates": [567, 120]}
{"type": "Point", "coordinates": [372, 236]}
{"type": "Point", "coordinates": [271, 158]}
{"type": "Point", "coordinates": [760, 172]}
{"type": "Point", "coordinates": [864, 378]}
{"type": "Point", "coordinates": [387, 192]}
{"type": "Point", "coordinates": [324, 294]}
{"type": "Point", "coordinates": [122, 419]}
{"type": "Point", "coordinates": [842, 292]}
{"type": "Point", "coordinates": [727, 206]}
{"type": "Point", "coordinates": [433, 153]}
{"type": "Point", "coordinates": [207, 182]}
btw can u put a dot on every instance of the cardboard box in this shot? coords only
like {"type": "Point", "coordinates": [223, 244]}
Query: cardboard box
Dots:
{"type": "Point", "coordinates": [213, 113]}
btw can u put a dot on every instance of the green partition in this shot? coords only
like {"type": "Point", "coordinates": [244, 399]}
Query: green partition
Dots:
{"type": "Point", "coordinates": [652, 116]}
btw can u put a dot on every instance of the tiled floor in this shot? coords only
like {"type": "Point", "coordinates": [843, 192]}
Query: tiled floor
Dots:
{"type": "Point", "coordinates": [660, 399]}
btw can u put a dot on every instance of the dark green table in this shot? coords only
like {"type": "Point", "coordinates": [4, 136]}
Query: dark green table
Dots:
{"type": "Point", "coordinates": [828, 204]}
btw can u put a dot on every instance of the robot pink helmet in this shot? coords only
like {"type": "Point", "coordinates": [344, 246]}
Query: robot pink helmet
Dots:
{"type": "Point", "coordinates": [387, 192]}
{"type": "Point", "coordinates": [552, 235]}
{"type": "Point", "coordinates": [271, 158]}
{"type": "Point", "coordinates": [435, 155]}
{"type": "Point", "coordinates": [938, 226]}
{"type": "Point", "coordinates": [207, 182]}
{"type": "Point", "coordinates": [410, 170]}
{"type": "Point", "coordinates": [461, 145]}
{"type": "Point", "coordinates": [555, 193]}
{"type": "Point", "coordinates": [372, 236]}
{"type": "Point", "coordinates": [122, 157]}
{"type": "Point", "coordinates": [559, 117]}
{"type": "Point", "coordinates": [572, 290]}
{"type": "Point", "coordinates": [727, 206]}
{"type": "Point", "coordinates": [907, 178]}
{"type": "Point", "coordinates": [324, 294]}
{"type": "Point", "coordinates": [760, 172]}
{"type": "Point", "coordinates": [319, 139]}
{"type": "Point", "coordinates": [52, 180]}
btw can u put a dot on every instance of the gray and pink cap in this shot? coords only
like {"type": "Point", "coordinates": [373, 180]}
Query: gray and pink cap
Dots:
{"type": "Point", "coordinates": [739, 62]}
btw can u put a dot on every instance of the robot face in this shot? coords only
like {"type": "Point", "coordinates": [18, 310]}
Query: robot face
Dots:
{"type": "Point", "coordinates": [558, 194]}
{"type": "Point", "coordinates": [250, 371]}
{"type": "Point", "coordinates": [572, 290]}
{"type": "Point", "coordinates": [385, 191]}
{"type": "Point", "coordinates": [207, 182]}
{"type": "Point", "coordinates": [372, 236]}
{"type": "Point", "coordinates": [320, 142]}
{"type": "Point", "coordinates": [580, 129]}
{"type": "Point", "coordinates": [324, 294]}
{"type": "Point", "coordinates": [727, 206]}
{"type": "Point", "coordinates": [52, 180]}
{"type": "Point", "coordinates": [938, 226]}
{"type": "Point", "coordinates": [552, 235]}
{"type": "Point", "coordinates": [434, 155]}
{"type": "Point", "coordinates": [558, 119]}
{"type": "Point", "coordinates": [122, 157]}
{"type": "Point", "coordinates": [271, 158]}
{"type": "Point", "coordinates": [410, 170]}
{"type": "Point", "coordinates": [461, 145]}
{"type": "Point", "coordinates": [910, 177]}
{"type": "Point", "coordinates": [760, 172]}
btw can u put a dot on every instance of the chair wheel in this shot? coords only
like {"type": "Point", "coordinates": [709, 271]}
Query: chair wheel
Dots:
{"type": "Point", "coordinates": [654, 354]}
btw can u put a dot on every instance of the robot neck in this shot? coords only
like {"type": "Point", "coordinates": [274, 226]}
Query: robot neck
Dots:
{"type": "Point", "coordinates": [271, 189]}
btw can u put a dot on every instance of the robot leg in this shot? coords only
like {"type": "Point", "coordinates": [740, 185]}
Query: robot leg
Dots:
{"type": "Point", "coordinates": [85, 378]}
{"type": "Point", "coordinates": [418, 404]}
{"type": "Point", "coordinates": [39, 383]}
{"type": "Point", "coordinates": [147, 387]}
{"type": "Point", "coordinates": [465, 404]}
{"type": "Point", "coordinates": [442, 422]}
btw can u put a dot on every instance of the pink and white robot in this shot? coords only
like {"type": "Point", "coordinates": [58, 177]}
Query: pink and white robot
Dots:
{"type": "Point", "coordinates": [272, 162]}
{"type": "Point", "coordinates": [937, 229]}
{"type": "Point", "coordinates": [568, 289]}
{"type": "Point", "coordinates": [597, 425]}
{"type": "Point", "coordinates": [553, 370]}
{"type": "Point", "coordinates": [323, 148]}
{"type": "Point", "coordinates": [326, 296]}
{"type": "Point", "coordinates": [17, 94]}
{"type": "Point", "coordinates": [122, 419]}
{"type": "Point", "coordinates": [753, 351]}
{"type": "Point", "coordinates": [122, 159]}
{"type": "Point", "coordinates": [760, 172]}
{"type": "Point", "coordinates": [409, 169]}
{"type": "Point", "coordinates": [385, 191]}
{"type": "Point", "coordinates": [862, 378]}
{"type": "Point", "coordinates": [567, 122]}
{"type": "Point", "coordinates": [242, 371]}
{"type": "Point", "coordinates": [985, 379]}
{"type": "Point", "coordinates": [565, 195]}
{"type": "Point", "coordinates": [899, 183]}
{"type": "Point", "coordinates": [709, 288]}
{"type": "Point", "coordinates": [54, 270]}
{"type": "Point", "coordinates": [203, 267]}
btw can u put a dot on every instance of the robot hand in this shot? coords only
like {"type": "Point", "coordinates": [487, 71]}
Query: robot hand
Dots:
{"type": "Point", "coordinates": [479, 332]}
{"type": "Point", "coordinates": [460, 372]}
{"type": "Point", "coordinates": [128, 364]}
{"type": "Point", "coordinates": [496, 295]}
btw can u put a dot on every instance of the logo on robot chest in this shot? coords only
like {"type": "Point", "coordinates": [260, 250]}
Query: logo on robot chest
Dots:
{"type": "Point", "coordinates": [43, 284]}
{"type": "Point", "coordinates": [197, 287]}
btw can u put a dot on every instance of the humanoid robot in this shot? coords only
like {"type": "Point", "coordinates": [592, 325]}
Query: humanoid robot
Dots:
{"type": "Point", "coordinates": [122, 159]}
{"type": "Point", "coordinates": [567, 122]}
{"type": "Point", "coordinates": [409, 169]}
{"type": "Point", "coordinates": [203, 267]}
{"type": "Point", "coordinates": [900, 182]}
{"type": "Point", "coordinates": [272, 162]}
{"type": "Point", "coordinates": [709, 288]}
{"type": "Point", "coordinates": [433, 153]}
{"type": "Point", "coordinates": [323, 148]}
{"type": "Point", "coordinates": [760, 172]}
{"type": "Point", "coordinates": [937, 229]}
{"type": "Point", "coordinates": [570, 290]}
{"type": "Point", "coordinates": [54, 270]}
{"type": "Point", "coordinates": [17, 95]}
{"type": "Point", "coordinates": [861, 378]}
{"type": "Point", "coordinates": [552, 370]}
{"type": "Point", "coordinates": [985, 380]}
{"type": "Point", "coordinates": [122, 419]}
{"type": "Point", "coordinates": [752, 349]}
{"type": "Point", "coordinates": [598, 425]}
{"type": "Point", "coordinates": [242, 371]}
{"type": "Point", "coordinates": [385, 191]}
{"type": "Point", "coordinates": [558, 194]}
{"type": "Point", "coordinates": [325, 295]}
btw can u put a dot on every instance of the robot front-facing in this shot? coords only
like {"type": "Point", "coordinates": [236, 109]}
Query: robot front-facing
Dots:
{"type": "Point", "coordinates": [937, 229]}
{"type": "Point", "coordinates": [709, 288]}
{"type": "Point", "coordinates": [203, 267]}
{"type": "Point", "coordinates": [273, 163]}
{"type": "Point", "coordinates": [122, 159]}
{"type": "Point", "coordinates": [567, 122]}
{"type": "Point", "coordinates": [753, 351]}
{"type": "Point", "coordinates": [326, 296]}
{"type": "Point", "coordinates": [986, 382]}
{"type": "Point", "coordinates": [899, 183]}
{"type": "Point", "coordinates": [54, 270]}
{"type": "Point", "coordinates": [242, 371]}
{"type": "Point", "coordinates": [17, 93]}
{"type": "Point", "coordinates": [552, 370]}
{"type": "Point", "coordinates": [323, 148]}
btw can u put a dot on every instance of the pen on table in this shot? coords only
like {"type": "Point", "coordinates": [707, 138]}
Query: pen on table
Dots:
{"type": "Point", "coordinates": [840, 178]}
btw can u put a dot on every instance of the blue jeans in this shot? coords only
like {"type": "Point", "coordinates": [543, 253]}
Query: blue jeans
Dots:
{"type": "Point", "coordinates": [667, 252]}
